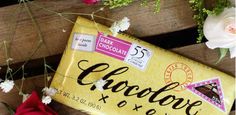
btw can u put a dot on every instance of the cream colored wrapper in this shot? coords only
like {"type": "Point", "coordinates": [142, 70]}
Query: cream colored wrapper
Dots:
{"type": "Point", "coordinates": [139, 78]}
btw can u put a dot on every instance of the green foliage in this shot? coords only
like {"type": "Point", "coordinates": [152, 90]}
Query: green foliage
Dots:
{"type": "Point", "coordinates": [121, 3]}
{"type": "Point", "coordinates": [198, 6]}
{"type": "Point", "coordinates": [117, 3]}
{"type": "Point", "coordinates": [144, 2]}
{"type": "Point", "coordinates": [202, 12]}
{"type": "Point", "coordinates": [219, 7]}
{"type": "Point", "coordinates": [157, 6]}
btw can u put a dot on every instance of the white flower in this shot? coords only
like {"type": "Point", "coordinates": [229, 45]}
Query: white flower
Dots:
{"type": "Point", "coordinates": [124, 24]}
{"type": "Point", "coordinates": [121, 25]}
{"type": "Point", "coordinates": [46, 99]}
{"type": "Point", "coordinates": [220, 31]}
{"type": "Point", "coordinates": [99, 84]}
{"type": "Point", "coordinates": [9, 59]}
{"type": "Point", "coordinates": [114, 29]}
{"type": "Point", "coordinates": [64, 30]}
{"type": "Point", "coordinates": [7, 85]}
{"type": "Point", "coordinates": [49, 91]}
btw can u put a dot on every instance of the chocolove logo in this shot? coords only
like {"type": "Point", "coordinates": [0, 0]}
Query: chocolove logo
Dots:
{"type": "Point", "coordinates": [133, 90]}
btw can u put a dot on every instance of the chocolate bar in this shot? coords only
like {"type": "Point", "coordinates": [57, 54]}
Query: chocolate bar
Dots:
{"type": "Point", "coordinates": [135, 77]}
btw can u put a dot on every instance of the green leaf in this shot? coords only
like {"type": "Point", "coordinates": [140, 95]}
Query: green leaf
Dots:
{"type": "Point", "coordinates": [223, 52]}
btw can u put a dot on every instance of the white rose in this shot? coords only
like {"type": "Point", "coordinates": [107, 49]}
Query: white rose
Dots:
{"type": "Point", "coordinates": [220, 31]}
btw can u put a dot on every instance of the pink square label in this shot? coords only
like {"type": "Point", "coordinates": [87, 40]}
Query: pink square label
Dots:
{"type": "Point", "coordinates": [112, 46]}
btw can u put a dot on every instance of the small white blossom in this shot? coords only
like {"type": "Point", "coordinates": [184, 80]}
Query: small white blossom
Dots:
{"type": "Point", "coordinates": [63, 30]}
{"type": "Point", "coordinates": [121, 25]}
{"type": "Point", "coordinates": [101, 9]}
{"type": "Point", "coordinates": [7, 85]}
{"type": "Point", "coordinates": [124, 24]}
{"type": "Point", "coordinates": [99, 84]}
{"type": "Point", "coordinates": [114, 29]}
{"type": "Point", "coordinates": [25, 97]}
{"type": "Point", "coordinates": [49, 91]}
{"type": "Point", "coordinates": [46, 99]}
{"type": "Point", "coordinates": [9, 59]}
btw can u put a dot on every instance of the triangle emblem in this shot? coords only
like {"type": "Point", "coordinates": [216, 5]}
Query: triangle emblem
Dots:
{"type": "Point", "coordinates": [210, 91]}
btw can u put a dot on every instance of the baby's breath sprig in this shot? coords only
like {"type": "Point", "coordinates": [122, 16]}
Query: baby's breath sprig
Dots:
{"type": "Point", "coordinates": [117, 3]}
{"type": "Point", "coordinates": [121, 3]}
{"type": "Point", "coordinates": [198, 6]}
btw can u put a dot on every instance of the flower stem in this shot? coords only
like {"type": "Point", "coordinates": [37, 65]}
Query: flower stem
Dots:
{"type": "Point", "coordinates": [72, 13]}
{"type": "Point", "coordinates": [45, 73]}
{"type": "Point", "coordinates": [8, 59]}
{"type": "Point", "coordinates": [84, 14]}
{"type": "Point", "coordinates": [22, 81]}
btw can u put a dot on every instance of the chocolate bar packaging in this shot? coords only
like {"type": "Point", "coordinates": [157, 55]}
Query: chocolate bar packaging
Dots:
{"type": "Point", "coordinates": [137, 78]}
